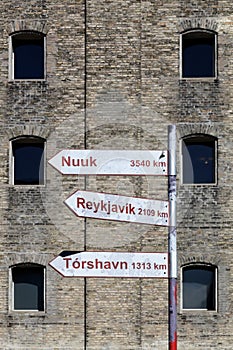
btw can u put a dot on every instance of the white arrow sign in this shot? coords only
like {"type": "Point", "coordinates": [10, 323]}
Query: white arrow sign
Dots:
{"type": "Point", "coordinates": [107, 206]}
{"type": "Point", "coordinates": [110, 162]}
{"type": "Point", "coordinates": [111, 264]}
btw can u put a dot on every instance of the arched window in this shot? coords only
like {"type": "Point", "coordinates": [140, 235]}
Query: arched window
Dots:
{"type": "Point", "coordinates": [28, 160]}
{"type": "Point", "coordinates": [199, 287]}
{"type": "Point", "coordinates": [199, 159]}
{"type": "Point", "coordinates": [198, 52]}
{"type": "Point", "coordinates": [27, 55]}
{"type": "Point", "coordinates": [28, 287]}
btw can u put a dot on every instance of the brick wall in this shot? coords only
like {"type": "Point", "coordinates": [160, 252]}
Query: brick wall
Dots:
{"type": "Point", "coordinates": [113, 82]}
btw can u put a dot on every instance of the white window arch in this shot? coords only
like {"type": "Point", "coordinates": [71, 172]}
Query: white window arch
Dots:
{"type": "Point", "coordinates": [27, 55]}
{"type": "Point", "coordinates": [199, 159]}
{"type": "Point", "coordinates": [199, 287]}
{"type": "Point", "coordinates": [198, 54]}
{"type": "Point", "coordinates": [27, 287]}
{"type": "Point", "coordinates": [28, 161]}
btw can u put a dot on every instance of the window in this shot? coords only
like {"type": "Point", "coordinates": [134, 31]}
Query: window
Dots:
{"type": "Point", "coordinates": [28, 161]}
{"type": "Point", "coordinates": [199, 287]}
{"type": "Point", "coordinates": [28, 287]}
{"type": "Point", "coordinates": [198, 54]}
{"type": "Point", "coordinates": [199, 159]}
{"type": "Point", "coordinates": [27, 55]}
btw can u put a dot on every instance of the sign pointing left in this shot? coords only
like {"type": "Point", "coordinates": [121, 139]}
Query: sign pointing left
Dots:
{"type": "Point", "coordinates": [107, 206]}
{"type": "Point", "coordinates": [111, 264]}
{"type": "Point", "coordinates": [110, 162]}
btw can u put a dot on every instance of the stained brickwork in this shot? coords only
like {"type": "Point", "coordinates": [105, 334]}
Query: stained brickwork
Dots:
{"type": "Point", "coordinates": [113, 82]}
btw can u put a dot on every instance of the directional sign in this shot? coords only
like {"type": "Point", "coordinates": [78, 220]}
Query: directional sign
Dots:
{"type": "Point", "coordinates": [110, 162]}
{"type": "Point", "coordinates": [111, 264]}
{"type": "Point", "coordinates": [106, 206]}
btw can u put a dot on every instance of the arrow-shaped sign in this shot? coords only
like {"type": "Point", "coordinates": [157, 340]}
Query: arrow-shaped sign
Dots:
{"type": "Point", "coordinates": [110, 162]}
{"type": "Point", "coordinates": [111, 264]}
{"type": "Point", "coordinates": [106, 206]}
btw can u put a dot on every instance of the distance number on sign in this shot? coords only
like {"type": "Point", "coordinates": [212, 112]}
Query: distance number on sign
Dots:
{"type": "Point", "coordinates": [147, 163]}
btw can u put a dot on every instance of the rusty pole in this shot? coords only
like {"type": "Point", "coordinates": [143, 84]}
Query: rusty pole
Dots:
{"type": "Point", "coordinates": [172, 251]}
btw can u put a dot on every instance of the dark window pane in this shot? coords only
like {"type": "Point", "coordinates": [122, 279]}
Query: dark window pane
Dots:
{"type": "Point", "coordinates": [198, 55]}
{"type": "Point", "coordinates": [199, 288]}
{"type": "Point", "coordinates": [28, 163]}
{"type": "Point", "coordinates": [28, 57]}
{"type": "Point", "coordinates": [28, 288]}
{"type": "Point", "coordinates": [198, 161]}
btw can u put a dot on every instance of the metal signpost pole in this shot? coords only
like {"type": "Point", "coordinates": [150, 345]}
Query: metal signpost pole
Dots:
{"type": "Point", "coordinates": [172, 238]}
{"type": "Point", "coordinates": [107, 206]}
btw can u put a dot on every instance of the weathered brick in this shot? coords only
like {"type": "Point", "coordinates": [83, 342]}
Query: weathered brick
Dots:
{"type": "Point", "coordinates": [112, 82]}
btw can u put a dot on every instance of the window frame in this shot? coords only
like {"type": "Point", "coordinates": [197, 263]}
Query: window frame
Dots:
{"type": "Point", "coordinates": [199, 265]}
{"type": "Point", "coordinates": [200, 136]}
{"type": "Point", "coordinates": [11, 55]}
{"type": "Point", "coordinates": [25, 139]}
{"type": "Point", "coordinates": [196, 31]}
{"type": "Point", "coordinates": [12, 294]}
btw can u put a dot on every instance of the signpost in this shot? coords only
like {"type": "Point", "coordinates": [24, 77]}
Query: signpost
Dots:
{"type": "Point", "coordinates": [110, 162]}
{"type": "Point", "coordinates": [111, 264]}
{"type": "Point", "coordinates": [172, 249]}
{"type": "Point", "coordinates": [106, 206]}
{"type": "Point", "coordinates": [121, 208]}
